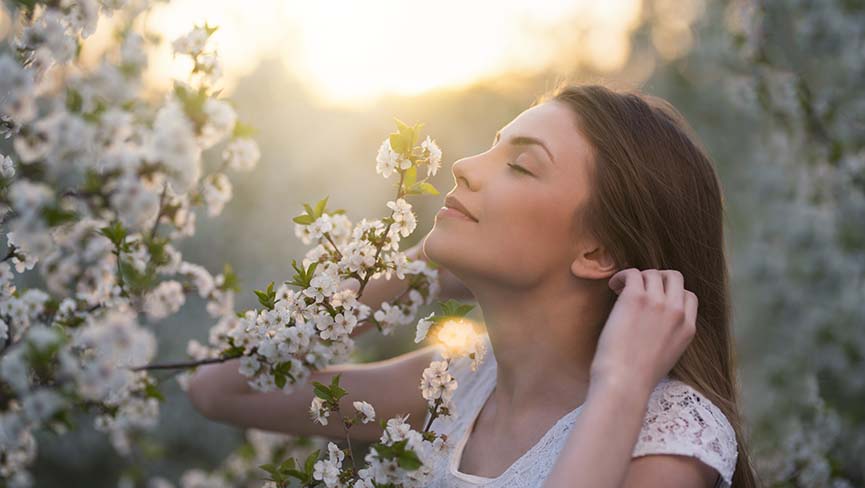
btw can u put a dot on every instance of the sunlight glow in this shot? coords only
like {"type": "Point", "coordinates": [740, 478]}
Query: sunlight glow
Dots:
{"type": "Point", "coordinates": [458, 336]}
{"type": "Point", "coordinates": [351, 53]}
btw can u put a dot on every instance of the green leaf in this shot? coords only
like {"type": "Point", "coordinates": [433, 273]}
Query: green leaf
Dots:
{"type": "Point", "coordinates": [409, 460]}
{"type": "Point", "coordinates": [302, 276]}
{"type": "Point", "coordinates": [303, 219]}
{"type": "Point", "coordinates": [422, 188]}
{"type": "Point", "coordinates": [267, 298]}
{"type": "Point", "coordinates": [400, 125]}
{"type": "Point", "coordinates": [408, 136]}
{"type": "Point", "coordinates": [74, 100]}
{"type": "Point", "coordinates": [336, 391]}
{"type": "Point", "coordinates": [230, 281]}
{"type": "Point", "coordinates": [210, 29]}
{"type": "Point", "coordinates": [243, 130]}
{"type": "Point", "coordinates": [138, 281]}
{"type": "Point", "coordinates": [193, 103]}
{"type": "Point", "coordinates": [287, 464]}
{"type": "Point", "coordinates": [151, 391]}
{"type": "Point", "coordinates": [310, 461]}
{"type": "Point", "coordinates": [455, 308]}
{"type": "Point", "coordinates": [321, 391]}
{"type": "Point", "coordinates": [427, 189]}
{"type": "Point", "coordinates": [410, 177]}
{"type": "Point", "coordinates": [397, 144]}
{"type": "Point", "coordinates": [92, 182]}
{"type": "Point", "coordinates": [320, 206]}
{"type": "Point", "coordinates": [115, 233]}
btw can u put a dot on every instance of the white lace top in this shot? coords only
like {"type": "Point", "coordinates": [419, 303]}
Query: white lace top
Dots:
{"type": "Point", "coordinates": [679, 420]}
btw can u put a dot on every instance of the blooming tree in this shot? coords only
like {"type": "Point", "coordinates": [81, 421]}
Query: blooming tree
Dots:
{"type": "Point", "coordinates": [98, 185]}
{"type": "Point", "coordinates": [799, 73]}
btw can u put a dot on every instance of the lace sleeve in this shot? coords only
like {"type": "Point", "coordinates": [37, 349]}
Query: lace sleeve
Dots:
{"type": "Point", "coordinates": [680, 420]}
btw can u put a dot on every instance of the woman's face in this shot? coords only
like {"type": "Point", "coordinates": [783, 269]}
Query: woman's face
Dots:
{"type": "Point", "coordinates": [525, 229]}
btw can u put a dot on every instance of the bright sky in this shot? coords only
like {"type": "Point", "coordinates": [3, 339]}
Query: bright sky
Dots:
{"type": "Point", "coordinates": [350, 52]}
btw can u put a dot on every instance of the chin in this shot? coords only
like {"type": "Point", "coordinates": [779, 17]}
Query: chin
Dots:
{"type": "Point", "coordinates": [449, 249]}
{"type": "Point", "coordinates": [436, 245]}
{"type": "Point", "coordinates": [443, 247]}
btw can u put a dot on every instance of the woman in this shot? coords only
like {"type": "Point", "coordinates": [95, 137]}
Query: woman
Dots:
{"type": "Point", "coordinates": [576, 195]}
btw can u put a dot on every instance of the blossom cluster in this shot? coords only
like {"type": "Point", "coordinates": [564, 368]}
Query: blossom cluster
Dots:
{"type": "Point", "coordinates": [398, 442]}
{"type": "Point", "coordinates": [241, 469]}
{"type": "Point", "coordinates": [100, 183]}
{"type": "Point", "coordinates": [306, 323]}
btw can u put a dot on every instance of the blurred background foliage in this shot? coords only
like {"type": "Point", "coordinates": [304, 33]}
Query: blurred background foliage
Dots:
{"type": "Point", "coordinates": [322, 83]}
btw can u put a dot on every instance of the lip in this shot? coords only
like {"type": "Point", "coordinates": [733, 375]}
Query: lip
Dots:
{"type": "Point", "coordinates": [451, 202]}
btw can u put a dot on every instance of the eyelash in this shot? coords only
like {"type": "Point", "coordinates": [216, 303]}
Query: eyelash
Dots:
{"type": "Point", "coordinates": [518, 168]}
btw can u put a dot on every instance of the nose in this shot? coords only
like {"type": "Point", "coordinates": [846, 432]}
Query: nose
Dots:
{"type": "Point", "coordinates": [460, 170]}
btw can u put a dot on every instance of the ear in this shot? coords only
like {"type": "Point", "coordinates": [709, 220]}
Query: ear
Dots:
{"type": "Point", "coordinates": [593, 263]}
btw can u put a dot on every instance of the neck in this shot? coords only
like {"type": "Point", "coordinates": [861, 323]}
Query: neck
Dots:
{"type": "Point", "coordinates": [543, 339]}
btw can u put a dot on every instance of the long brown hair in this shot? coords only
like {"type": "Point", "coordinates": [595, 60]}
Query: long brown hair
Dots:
{"type": "Point", "coordinates": [656, 203]}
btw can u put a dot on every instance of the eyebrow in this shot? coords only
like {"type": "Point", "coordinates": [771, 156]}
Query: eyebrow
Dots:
{"type": "Point", "coordinates": [526, 141]}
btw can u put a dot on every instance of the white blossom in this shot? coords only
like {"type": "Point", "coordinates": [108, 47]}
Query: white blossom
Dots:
{"type": "Point", "coordinates": [437, 382]}
{"type": "Point", "coordinates": [241, 154]}
{"type": "Point", "coordinates": [217, 192]}
{"type": "Point", "coordinates": [164, 300]}
{"type": "Point", "coordinates": [191, 43]}
{"type": "Point", "coordinates": [434, 154]}
{"type": "Point", "coordinates": [423, 326]}
{"type": "Point", "coordinates": [404, 219]}
{"type": "Point", "coordinates": [319, 411]}
{"type": "Point", "coordinates": [366, 410]}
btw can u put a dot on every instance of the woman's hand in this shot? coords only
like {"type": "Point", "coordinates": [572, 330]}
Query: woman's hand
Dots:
{"type": "Point", "coordinates": [450, 285]}
{"type": "Point", "coordinates": [649, 327]}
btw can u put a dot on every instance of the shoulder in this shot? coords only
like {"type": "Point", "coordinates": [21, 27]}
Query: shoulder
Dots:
{"type": "Point", "coordinates": [680, 420]}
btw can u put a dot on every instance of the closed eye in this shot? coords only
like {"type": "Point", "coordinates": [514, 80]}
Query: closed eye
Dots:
{"type": "Point", "coordinates": [519, 169]}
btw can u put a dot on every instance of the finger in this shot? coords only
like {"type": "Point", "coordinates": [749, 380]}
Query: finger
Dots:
{"type": "Point", "coordinates": [691, 304]}
{"type": "Point", "coordinates": [674, 287]}
{"type": "Point", "coordinates": [654, 285]}
{"type": "Point", "coordinates": [630, 277]}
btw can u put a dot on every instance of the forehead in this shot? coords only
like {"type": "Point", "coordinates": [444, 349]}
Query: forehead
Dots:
{"type": "Point", "coordinates": [555, 125]}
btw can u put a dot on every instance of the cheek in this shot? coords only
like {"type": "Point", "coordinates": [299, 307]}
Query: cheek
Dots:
{"type": "Point", "coordinates": [532, 228]}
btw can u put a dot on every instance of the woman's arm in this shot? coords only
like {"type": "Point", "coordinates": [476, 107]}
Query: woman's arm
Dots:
{"type": "Point", "coordinates": [600, 447]}
{"type": "Point", "coordinates": [650, 325]}
{"type": "Point", "coordinates": [222, 394]}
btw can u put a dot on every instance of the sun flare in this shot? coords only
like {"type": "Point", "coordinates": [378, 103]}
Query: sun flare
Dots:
{"type": "Point", "coordinates": [352, 53]}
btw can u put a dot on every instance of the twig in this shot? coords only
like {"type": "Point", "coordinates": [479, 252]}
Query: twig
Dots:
{"type": "Point", "coordinates": [183, 364]}
{"type": "Point", "coordinates": [386, 230]}
{"type": "Point", "coordinates": [335, 248]}
{"type": "Point", "coordinates": [434, 415]}
{"type": "Point", "coordinates": [10, 254]}
{"type": "Point", "coordinates": [347, 439]}
{"type": "Point", "coordinates": [120, 273]}
{"type": "Point", "coordinates": [159, 212]}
